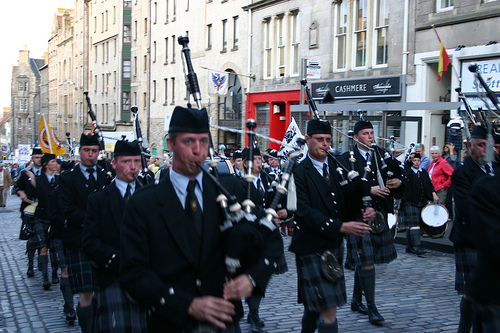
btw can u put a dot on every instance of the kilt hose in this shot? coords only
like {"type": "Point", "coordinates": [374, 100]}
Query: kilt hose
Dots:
{"type": "Point", "coordinates": [116, 313]}
{"type": "Point", "coordinates": [409, 215]}
{"type": "Point", "coordinates": [466, 259]}
{"type": "Point", "coordinates": [81, 276]}
{"type": "Point", "coordinates": [316, 292]}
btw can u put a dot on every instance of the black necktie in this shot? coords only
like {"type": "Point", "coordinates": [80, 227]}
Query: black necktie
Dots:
{"type": "Point", "coordinates": [487, 167]}
{"type": "Point", "coordinates": [326, 175]}
{"type": "Point", "coordinates": [259, 186]}
{"type": "Point", "coordinates": [52, 181]}
{"type": "Point", "coordinates": [91, 177]}
{"type": "Point", "coordinates": [193, 207]}
{"type": "Point", "coordinates": [127, 192]}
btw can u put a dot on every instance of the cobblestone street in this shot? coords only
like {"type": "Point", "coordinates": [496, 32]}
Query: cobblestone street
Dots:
{"type": "Point", "coordinates": [413, 294]}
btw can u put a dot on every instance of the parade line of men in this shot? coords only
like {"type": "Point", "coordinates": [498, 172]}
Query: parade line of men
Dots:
{"type": "Point", "coordinates": [152, 257]}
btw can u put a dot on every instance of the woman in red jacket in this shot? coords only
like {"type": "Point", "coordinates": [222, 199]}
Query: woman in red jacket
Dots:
{"type": "Point", "coordinates": [440, 172]}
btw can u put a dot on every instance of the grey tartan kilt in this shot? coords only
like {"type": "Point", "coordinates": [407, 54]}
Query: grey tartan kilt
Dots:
{"type": "Point", "coordinates": [409, 215]}
{"type": "Point", "coordinates": [315, 291]}
{"type": "Point", "coordinates": [41, 233]}
{"type": "Point", "coordinates": [56, 250]}
{"type": "Point", "coordinates": [466, 265]}
{"type": "Point", "coordinates": [117, 313]}
{"type": "Point", "coordinates": [372, 248]}
{"type": "Point", "coordinates": [82, 278]}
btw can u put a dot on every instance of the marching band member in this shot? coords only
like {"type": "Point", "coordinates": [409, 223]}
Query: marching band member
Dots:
{"type": "Point", "coordinates": [45, 183]}
{"type": "Point", "coordinates": [173, 261]}
{"type": "Point", "coordinates": [101, 242]}
{"type": "Point", "coordinates": [75, 186]}
{"type": "Point", "coordinates": [372, 248]}
{"type": "Point", "coordinates": [237, 160]}
{"type": "Point", "coordinates": [465, 175]}
{"type": "Point", "coordinates": [320, 228]}
{"type": "Point", "coordinates": [418, 190]}
{"type": "Point", "coordinates": [25, 189]}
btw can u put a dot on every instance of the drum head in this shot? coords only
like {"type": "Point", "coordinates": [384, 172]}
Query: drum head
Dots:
{"type": "Point", "coordinates": [434, 215]}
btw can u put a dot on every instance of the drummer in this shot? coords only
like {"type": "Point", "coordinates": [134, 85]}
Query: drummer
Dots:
{"type": "Point", "coordinates": [418, 190]}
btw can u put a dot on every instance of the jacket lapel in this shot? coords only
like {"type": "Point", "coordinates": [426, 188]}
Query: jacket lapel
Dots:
{"type": "Point", "coordinates": [210, 237]}
{"type": "Point", "coordinates": [116, 203]}
{"type": "Point", "coordinates": [320, 183]}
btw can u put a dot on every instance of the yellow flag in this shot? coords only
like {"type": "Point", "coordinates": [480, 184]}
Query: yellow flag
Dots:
{"type": "Point", "coordinates": [47, 140]}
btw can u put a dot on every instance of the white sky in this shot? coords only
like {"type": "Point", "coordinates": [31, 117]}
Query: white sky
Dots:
{"type": "Point", "coordinates": [24, 23]}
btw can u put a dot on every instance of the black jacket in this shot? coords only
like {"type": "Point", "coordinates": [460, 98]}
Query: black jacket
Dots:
{"type": "Point", "coordinates": [319, 210]}
{"type": "Point", "coordinates": [158, 267]}
{"type": "Point", "coordinates": [43, 188]}
{"type": "Point", "coordinates": [74, 191]}
{"type": "Point", "coordinates": [485, 207]}
{"type": "Point", "coordinates": [462, 180]}
{"type": "Point", "coordinates": [424, 183]}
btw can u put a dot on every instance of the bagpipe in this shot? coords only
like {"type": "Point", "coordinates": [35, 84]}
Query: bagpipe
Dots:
{"type": "Point", "coordinates": [246, 232]}
{"type": "Point", "coordinates": [144, 177]}
{"type": "Point", "coordinates": [95, 129]}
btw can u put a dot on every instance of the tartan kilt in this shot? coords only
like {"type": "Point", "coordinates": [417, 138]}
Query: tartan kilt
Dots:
{"type": "Point", "coordinates": [315, 291]}
{"type": "Point", "coordinates": [372, 248]}
{"type": "Point", "coordinates": [57, 256]}
{"type": "Point", "coordinates": [82, 278]}
{"type": "Point", "coordinates": [466, 259]}
{"type": "Point", "coordinates": [409, 215]}
{"type": "Point", "coordinates": [41, 233]}
{"type": "Point", "coordinates": [116, 313]}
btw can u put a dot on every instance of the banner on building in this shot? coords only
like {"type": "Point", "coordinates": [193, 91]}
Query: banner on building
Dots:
{"type": "Point", "coordinates": [47, 139]}
{"type": "Point", "coordinates": [24, 153]}
{"type": "Point", "coordinates": [218, 82]}
{"type": "Point", "coordinates": [290, 139]}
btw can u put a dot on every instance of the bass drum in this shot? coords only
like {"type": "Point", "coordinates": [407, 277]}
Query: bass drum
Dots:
{"type": "Point", "coordinates": [434, 217]}
{"type": "Point", "coordinates": [392, 222]}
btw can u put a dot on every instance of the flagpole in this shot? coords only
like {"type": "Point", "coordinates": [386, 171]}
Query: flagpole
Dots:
{"type": "Point", "coordinates": [47, 133]}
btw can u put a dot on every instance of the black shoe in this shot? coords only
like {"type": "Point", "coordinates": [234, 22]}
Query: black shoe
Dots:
{"type": "Point", "coordinates": [349, 266]}
{"type": "Point", "coordinates": [415, 250]}
{"type": "Point", "coordinates": [55, 277]}
{"type": "Point", "coordinates": [69, 313]}
{"type": "Point", "coordinates": [46, 285]}
{"type": "Point", "coordinates": [374, 316]}
{"type": "Point", "coordinates": [359, 307]}
{"type": "Point", "coordinates": [30, 272]}
{"type": "Point", "coordinates": [258, 322]}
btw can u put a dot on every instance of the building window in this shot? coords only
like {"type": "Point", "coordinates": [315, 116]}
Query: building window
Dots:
{"type": "Point", "coordinates": [126, 101]}
{"type": "Point", "coordinates": [268, 48]}
{"type": "Point", "coordinates": [209, 37]}
{"type": "Point", "coordinates": [154, 51]}
{"type": "Point", "coordinates": [295, 43]}
{"type": "Point", "coordinates": [224, 35]}
{"type": "Point", "coordinates": [135, 30]}
{"type": "Point", "coordinates": [19, 124]}
{"type": "Point", "coordinates": [173, 49]}
{"type": "Point", "coordinates": [235, 32]}
{"type": "Point", "coordinates": [106, 20]}
{"type": "Point", "coordinates": [95, 83]}
{"type": "Point", "coordinates": [174, 9]}
{"type": "Point", "coordinates": [166, 51]}
{"type": "Point", "coordinates": [172, 80]}
{"type": "Point", "coordinates": [29, 123]}
{"type": "Point", "coordinates": [145, 26]}
{"type": "Point", "coordinates": [165, 81]}
{"type": "Point", "coordinates": [102, 25]}
{"type": "Point", "coordinates": [166, 11]}
{"type": "Point", "coordinates": [135, 66]}
{"type": "Point", "coordinates": [360, 20]}
{"type": "Point", "coordinates": [381, 31]}
{"type": "Point", "coordinates": [340, 44]}
{"type": "Point", "coordinates": [144, 100]}
{"type": "Point", "coordinates": [145, 67]}
{"type": "Point", "coordinates": [281, 44]}
{"type": "Point", "coordinates": [126, 69]}
{"type": "Point", "coordinates": [95, 53]}
{"type": "Point", "coordinates": [444, 5]}
{"type": "Point", "coordinates": [23, 105]}
{"type": "Point", "coordinates": [126, 34]}
{"type": "Point", "coordinates": [155, 12]}
{"type": "Point", "coordinates": [23, 86]}
{"type": "Point", "coordinates": [95, 24]}
{"type": "Point", "coordinates": [154, 90]}
{"type": "Point", "coordinates": [114, 14]}
{"type": "Point", "coordinates": [103, 84]}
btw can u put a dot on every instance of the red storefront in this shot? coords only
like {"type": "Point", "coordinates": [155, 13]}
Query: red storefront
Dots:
{"type": "Point", "coordinates": [271, 110]}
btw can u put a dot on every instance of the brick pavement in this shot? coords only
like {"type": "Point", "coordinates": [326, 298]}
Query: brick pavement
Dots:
{"type": "Point", "coordinates": [413, 294]}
